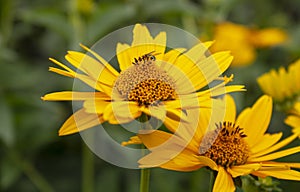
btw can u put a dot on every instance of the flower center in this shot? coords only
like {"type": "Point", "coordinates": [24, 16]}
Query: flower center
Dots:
{"type": "Point", "coordinates": [145, 82]}
{"type": "Point", "coordinates": [225, 145]}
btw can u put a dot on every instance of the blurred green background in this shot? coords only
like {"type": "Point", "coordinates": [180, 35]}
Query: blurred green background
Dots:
{"type": "Point", "coordinates": [33, 157]}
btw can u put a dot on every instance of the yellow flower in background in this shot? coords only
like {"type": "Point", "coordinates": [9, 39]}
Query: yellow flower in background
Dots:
{"type": "Point", "coordinates": [152, 81]}
{"type": "Point", "coordinates": [267, 37]}
{"type": "Point", "coordinates": [293, 119]}
{"type": "Point", "coordinates": [283, 85]}
{"type": "Point", "coordinates": [234, 148]}
{"type": "Point", "coordinates": [242, 41]}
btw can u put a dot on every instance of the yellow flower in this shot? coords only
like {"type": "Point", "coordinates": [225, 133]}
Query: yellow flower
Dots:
{"type": "Point", "coordinates": [234, 148]}
{"type": "Point", "coordinates": [267, 37]}
{"type": "Point", "coordinates": [152, 81]}
{"type": "Point", "coordinates": [283, 85]}
{"type": "Point", "coordinates": [242, 41]}
{"type": "Point", "coordinates": [293, 119]}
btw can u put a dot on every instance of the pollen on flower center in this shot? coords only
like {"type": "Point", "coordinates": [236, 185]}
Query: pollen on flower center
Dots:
{"type": "Point", "coordinates": [145, 83]}
{"type": "Point", "coordinates": [225, 145]}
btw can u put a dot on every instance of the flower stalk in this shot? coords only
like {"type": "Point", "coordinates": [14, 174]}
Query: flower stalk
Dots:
{"type": "Point", "coordinates": [145, 172]}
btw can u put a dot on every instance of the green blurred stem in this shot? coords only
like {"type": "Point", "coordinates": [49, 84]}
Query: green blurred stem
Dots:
{"type": "Point", "coordinates": [77, 23]}
{"type": "Point", "coordinates": [189, 24]}
{"type": "Point", "coordinates": [87, 169]}
{"type": "Point", "coordinates": [211, 181]}
{"type": "Point", "coordinates": [7, 13]}
{"type": "Point", "coordinates": [145, 172]}
{"type": "Point", "coordinates": [33, 174]}
{"type": "Point", "coordinates": [87, 156]}
{"type": "Point", "coordinates": [145, 178]}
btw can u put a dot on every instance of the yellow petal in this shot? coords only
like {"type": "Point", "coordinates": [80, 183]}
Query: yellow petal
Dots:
{"type": "Point", "coordinates": [61, 65]}
{"type": "Point", "coordinates": [154, 139]}
{"type": "Point", "coordinates": [205, 121]}
{"type": "Point", "coordinates": [62, 72]}
{"type": "Point", "coordinates": [268, 80]}
{"type": "Point", "coordinates": [158, 112]}
{"type": "Point", "coordinates": [204, 71]}
{"type": "Point", "coordinates": [176, 114]}
{"type": "Point", "coordinates": [208, 162]}
{"type": "Point", "coordinates": [141, 35]}
{"type": "Point", "coordinates": [92, 67]}
{"type": "Point", "coordinates": [223, 182]}
{"type": "Point", "coordinates": [190, 131]}
{"type": "Point", "coordinates": [170, 57]}
{"type": "Point", "coordinates": [230, 112]}
{"type": "Point", "coordinates": [156, 159]}
{"type": "Point", "coordinates": [211, 68]}
{"type": "Point", "coordinates": [246, 169]}
{"type": "Point", "coordinates": [275, 147]}
{"type": "Point", "coordinates": [101, 60]}
{"type": "Point", "coordinates": [293, 121]}
{"type": "Point", "coordinates": [160, 42]}
{"type": "Point", "coordinates": [191, 101]}
{"type": "Point", "coordinates": [281, 164]}
{"type": "Point", "coordinates": [80, 121]}
{"type": "Point", "coordinates": [257, 120]}
{"type": "Point", "coordinates": [144, 43]}
{"type": "Point", "coordinates": [197, 52]}
{"type": "Point", "coordinates": [267, 141]}
{"type": "Point", "coordinates": [133, 140]}
{"type": "Point", "coordinates": [163, 159]}
{"type": "Point", "coordinates": [187, 159]}
{"type": "Point", "coordinates": [121, 112]}
{"type": "Point", "coordinates": [171, 124]}
{"type": "Point", "coordinates": [74, 96]}
{"type": "Point", "coordinates": [182, 82]}
{"type": "Point", "coordinates": [282, 174]}
{"type": "Point", "coordinates": [243, 115]}
{"type": "Point", "coordinates": [296, 131]}
{"type": "Point", "coordinates": [221, 90]}
{"type": "Point", "coordinates": [124, 58]}
{"type": "Point", "coordinates": [94, 84]}
{"type": "Point", "coordinates": [275, 155]}
{"type": "Point", "coordinates": [208, 44]}
{"type": "Point", "coordinates": [97, 106]}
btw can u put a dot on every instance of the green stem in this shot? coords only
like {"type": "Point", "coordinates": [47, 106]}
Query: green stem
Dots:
{"type": "Point", "coordinates": [145, 172]}
{"type": "Point", "coordinates": [145, 178]}
{"type": "Point", "coordinates": [87, 156]}
{"type": "Point", "coordinates": [77, 23]}
{"type": "Point", "coordinates": [87, 169]}
{"type": "Point", "coordinates": [211, 181]}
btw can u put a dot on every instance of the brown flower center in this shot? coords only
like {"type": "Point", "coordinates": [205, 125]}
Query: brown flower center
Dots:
{"type": "Point", "coordinates": [145, 83]}
{"type": "Point", "coordinates": [225, 145]}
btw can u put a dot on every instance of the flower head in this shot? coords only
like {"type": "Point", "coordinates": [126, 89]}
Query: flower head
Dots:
{"type": "Point", "coordinates": [234, 148]}
{"type": "Point", "coordinates": [242, 41]}
{"type": "Point", "coordinates": [151, 81]}
{"type": "Point", "coordinates": [283, 85]}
